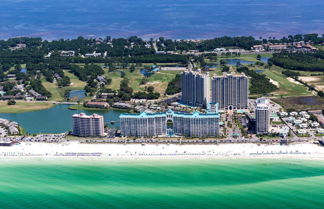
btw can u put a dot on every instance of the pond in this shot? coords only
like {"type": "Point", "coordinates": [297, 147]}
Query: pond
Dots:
{"type": "Point", "coordinates": [146, 72]}
{"type": "Point", "coordinates": [55, 120]}
{"type": "Point", "coordinates": [77, 94]}
{"type": "Point", "coordinates": [265, 59]}
{"type": "Point", "coordinates": [306, 100]}
{"type": "Point", "coordinates": [235, 61]}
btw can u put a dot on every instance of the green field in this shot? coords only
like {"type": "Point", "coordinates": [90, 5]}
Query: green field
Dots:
{"type": "Point", "coordinates": [158, 80]}
{"type": "Point", "coordinates": [320, 47]}
{"type": "Point", "coordinates": [22, 106]}
{"type": "Point", "coordinates": [286, 88]}
{"type": "Point", "coordinates": [58, 92]}
{"type": "Point", "coordinates": [247, 57]}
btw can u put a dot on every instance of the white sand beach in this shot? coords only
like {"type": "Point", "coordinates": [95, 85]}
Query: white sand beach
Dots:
{"type": "Point", "coordinates": [75, 150]}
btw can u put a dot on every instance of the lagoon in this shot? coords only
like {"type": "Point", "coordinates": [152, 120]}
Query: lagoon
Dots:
{"type": "Point", "coordinates": [54, 120]}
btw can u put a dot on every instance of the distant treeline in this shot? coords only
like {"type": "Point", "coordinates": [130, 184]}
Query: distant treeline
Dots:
{"type": "Point", "coordinates": [310, 61]}
{"type": "Point", "coordinates": [135, 46]}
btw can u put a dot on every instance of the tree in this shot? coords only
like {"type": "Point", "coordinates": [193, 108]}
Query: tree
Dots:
{"type": "Point", "coordinates": [65, 81]}
{"type": "Point", "coordinates": [258, 57]}
{"type": "Point", "coordinates": [150, 89]}
{"type": "Point", "coordinates": [321, 93]}
{"type": "Point", "coordinates": [11, 102]}
{"type": "Point", "coordinates": [225, 68]}
{"type": "Point", "coordinates": [132, 68]}
{"type": "Point", "coordinates": [174, 86]}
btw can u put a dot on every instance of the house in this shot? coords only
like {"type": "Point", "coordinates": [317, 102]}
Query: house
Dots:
{"type": "Point", "coordinates": [41, 98]}
{"type": "Point", "coordinates": [320, 131]}
{"type": "Point", "coordinates": [101, 105]}
{"type": "Point", "coordinates": [94, 54]}
{"type": "Point", "coordinates": [301, 131]}
{"type": "Point", "coordinates": [11, 76]}
{"type": "Point", "coordinates": [121, 105]}
{"type": "Point", "coordinates": [277, 47]}
{"type": "Point", "coordinates": [102, 79]}
{"type": "Point", "coordinates": [106, 95]}
{"type": "Point", "coordinates": [34, 93]}
{"type": "Point", "coordinates": [2, 93]}
{"type": "Point", "coordinates": [17, 47]}
{"type": "Point", "coordinates": [67, 53]}
{"type": "Point", "coordinates": [315, 124]}
{"type": "Point", "coordinates": [258, 48]}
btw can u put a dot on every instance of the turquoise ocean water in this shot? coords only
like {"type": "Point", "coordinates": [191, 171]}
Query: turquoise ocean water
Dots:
{"type": "Point", "coordinates": [162, 184]}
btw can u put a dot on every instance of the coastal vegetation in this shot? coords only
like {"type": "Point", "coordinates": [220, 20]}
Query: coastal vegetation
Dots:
{"type": "Point", "coordinates": [174, 86]}
{"type": "Point", "coordinates": [43, 67]}
{"type": "Point", "coordinates": [301, 103]}
{"type": "Point", "coordinates": [312, 61]}
{"type": "Point", "coordinates": [259, 84]}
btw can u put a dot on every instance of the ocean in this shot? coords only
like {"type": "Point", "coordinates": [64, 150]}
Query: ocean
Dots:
{"type": "Point", "coordinates": [161, 184]}
{"type": "Point", "coordinates": [187, 19]}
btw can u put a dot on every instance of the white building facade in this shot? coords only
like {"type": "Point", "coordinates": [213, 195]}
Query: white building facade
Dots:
{"type": "Point", "coordinates": [230, 91]}
{"type": "Point", "coordinates": [170, 124]}
{"type": "Point", "coordinates": [195, 88]}
{"type": "Point", "coordinates": [88, 125]}
{"type": "Point", "coordinates": [262, 112]}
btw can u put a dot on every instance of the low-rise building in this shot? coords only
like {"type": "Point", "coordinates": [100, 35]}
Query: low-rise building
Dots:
{"type": "Point", "coordinates": [320, 131]}
{"type": "Point", "coordinates": [67, 53]}
{"type": "Point", "coordinates": [302, 131]}
{"type": "Point", "coordinates": [122, 105]}
{"type": "Point", "coordinates": [101, 105]}
{"type": "Point", "coordinates": [315, 124]}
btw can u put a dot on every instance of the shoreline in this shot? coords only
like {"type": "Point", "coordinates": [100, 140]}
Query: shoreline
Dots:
{"type": "Point", "coordinates": [131, 152]}
{"type": "Point", "coordinates": [24, 106]}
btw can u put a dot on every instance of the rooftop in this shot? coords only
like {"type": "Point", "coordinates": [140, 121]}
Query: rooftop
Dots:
{"type": "Point", "coordinates": [170, 112]}
{"type": "Point", "coordinates": [83, 115]}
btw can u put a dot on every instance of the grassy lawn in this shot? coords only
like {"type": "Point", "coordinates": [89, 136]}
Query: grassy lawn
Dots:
{"type": "Point", "coordinates": [320, 47]}
{"type": "Point", "coordinates": [286, 88]}
{"type": "Point", "coordinates": [22, 106]}
{"type": "Point", "coordinates": [158, 80]}
{"type": "Point", "coordinates": [81, 107]}
{"type": "Point", "coordinates": [161, 80]}
{"type": "Point", "coordinates": [55, 91]}
{"type": "Point", "coordinates": [247, 57]}
{"type": "Point", "coordinates": [75, 82]}
{"type": "Point", "coordinates": [308, 73]}
{"type": "Point", "coordinates": [58, 93]}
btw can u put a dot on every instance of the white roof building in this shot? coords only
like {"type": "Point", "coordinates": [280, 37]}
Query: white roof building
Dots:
{"type": "Point", "coordinates": [303, 125]}
{"type": "Point", "coordinates": [293, 114]}
{"type": "Point", "coordinates": [315, 124]}
{"type": "Point", "coordinates": [297, 121]}
{"type": "Point", "coordinates": [320, 131]}
{"type": "Point", "coordinates": [301, 131]}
